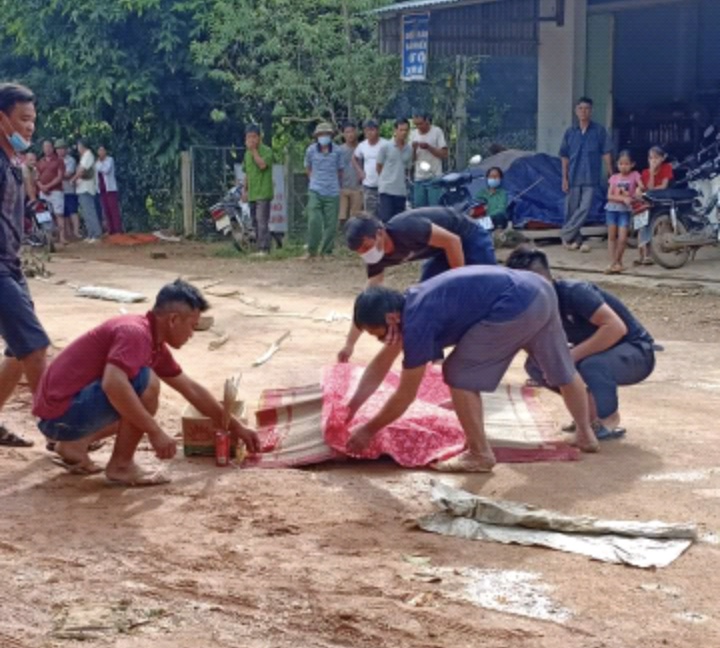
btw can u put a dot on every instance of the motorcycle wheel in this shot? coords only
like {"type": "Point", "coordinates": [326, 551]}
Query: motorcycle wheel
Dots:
{"type": "Point", "coordinates": [240, 237]}
{"type": "Point", "coordinates": [661, 249]}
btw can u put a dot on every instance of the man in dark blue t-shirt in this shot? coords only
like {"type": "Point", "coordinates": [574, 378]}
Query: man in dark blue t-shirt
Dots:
{"type": "Point", "coordinates": [609, 346]}
{"type": "Point", "coordinates": [488, 314]}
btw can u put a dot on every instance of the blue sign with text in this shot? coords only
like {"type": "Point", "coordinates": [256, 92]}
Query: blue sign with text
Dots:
{"type": "Point", "coordinates": [415, 32]}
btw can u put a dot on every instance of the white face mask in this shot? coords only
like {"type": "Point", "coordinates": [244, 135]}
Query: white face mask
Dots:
{"type": "Point", "coordinates": [373, 255]}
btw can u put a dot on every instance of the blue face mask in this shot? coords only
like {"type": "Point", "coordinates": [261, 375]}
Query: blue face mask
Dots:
{"type": "Point", "coordinates": [19, 143]}
{"type": "Point", "coordinates": [493, 183]}
{"type": "Point", "coordinates": [324, 140]}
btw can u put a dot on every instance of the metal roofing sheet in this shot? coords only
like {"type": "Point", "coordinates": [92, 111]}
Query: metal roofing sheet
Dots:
{"type": "Point", "coordinates": [425, 4]}
{"type": "Point", "coordinates": [506, 28]}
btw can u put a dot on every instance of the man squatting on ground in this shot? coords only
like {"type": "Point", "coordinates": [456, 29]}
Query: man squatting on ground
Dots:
{"type": "Point", "coordinates": [107, 383]}
{"type": "Point", "coordinates": [440, 235]}
{"type": "Point", "coordinates": [609, 345]}
{"type": "Point", "coordinates": [24, 336]}
{"type": "Point", "coordinates": [488, 314]}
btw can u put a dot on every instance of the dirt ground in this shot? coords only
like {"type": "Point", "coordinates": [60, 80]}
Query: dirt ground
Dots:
{"type": "Point", "coordinates": [328, 556]}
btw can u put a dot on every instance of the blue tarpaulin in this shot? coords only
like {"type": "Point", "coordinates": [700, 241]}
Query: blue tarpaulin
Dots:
{"type": "Point", "coordinates": [544, 204]}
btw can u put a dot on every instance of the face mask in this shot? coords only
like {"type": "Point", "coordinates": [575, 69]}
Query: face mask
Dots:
{"type": "Point", "coordinates": [493, 183]}
{"type": "Point", "coordinates": [19, 143]}
{"type": "Point", "coordinates": [324, 140]}
{"type": "Point", "coordinates": [373, 255]}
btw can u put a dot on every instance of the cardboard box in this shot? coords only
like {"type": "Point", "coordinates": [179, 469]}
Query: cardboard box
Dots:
{"type": "Point", "coordinates": [199, 432]}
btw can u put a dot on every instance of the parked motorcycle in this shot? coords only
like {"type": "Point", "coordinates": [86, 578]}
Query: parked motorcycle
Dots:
{"type": "Point", "coordinates": [232, 217]}
{"type": "Point", "coordinates": [39, 226]}
{"type": "Point", "coordinates": [684, 218]}
{"type": "Point", "coordinates": [456, 192]}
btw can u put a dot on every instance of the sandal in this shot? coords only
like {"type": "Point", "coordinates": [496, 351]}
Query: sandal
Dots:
{"type": "Point", "coordinates": [12, 440]}
{"type": "Point", "coordinates": [648, 261]}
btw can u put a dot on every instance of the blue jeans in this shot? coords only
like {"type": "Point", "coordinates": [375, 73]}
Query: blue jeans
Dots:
{"type": "Point", "coordinates": [617, 218]}
{"type": "Point", "coordinates": [426, 194]}
{"type": "Point", "coordinates": [477, 248]}
{"type": "Point", "coordinates": [627, 363]}
{"type": "Point", "coordinates": [19, 325]}
{"type": "Point", "coordinates": [90, 411]}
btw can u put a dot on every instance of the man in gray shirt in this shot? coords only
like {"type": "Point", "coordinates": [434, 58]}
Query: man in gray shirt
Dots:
{"type": "Point", "coordinates": [351, 196]}
{"type": "Point", "coordinates": [393, 162]}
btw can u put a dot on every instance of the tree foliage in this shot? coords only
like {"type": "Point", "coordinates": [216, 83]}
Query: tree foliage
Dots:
{"type": "Point", "coordinates": [299, 60]}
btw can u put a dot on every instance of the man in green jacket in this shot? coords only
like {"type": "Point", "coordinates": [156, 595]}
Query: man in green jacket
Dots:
{"type": "Point", "coordinates": [259, 192]}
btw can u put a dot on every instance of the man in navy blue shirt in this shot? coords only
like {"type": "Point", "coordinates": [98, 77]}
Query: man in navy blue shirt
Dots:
{"type": "Point", "coordinates": [609, 346]}
{"type": "Point", "coordinates": [488, 314]}
{"type": "Point", "coordinates": [583, 148]}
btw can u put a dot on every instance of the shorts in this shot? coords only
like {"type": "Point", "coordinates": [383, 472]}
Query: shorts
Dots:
{"type": "Point", "coordinates": [56, 200]}
{"type": "Point", "coordinates": [90, 411]}
{"type": "Point", "coordinates": [483, 355]}
{"type": "Point", "coordinates": [617, 218]}
{"type": "Point", "coordinates": [72, 205]}
{"type": "Point", "coordinates": [19, 325]}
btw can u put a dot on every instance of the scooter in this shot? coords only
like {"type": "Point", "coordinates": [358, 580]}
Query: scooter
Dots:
{"type": "Point", "coordinates": [39, 226]}
{"type": "Point", "coordinates": [456, 192]}
{"type": "Point", "coordinates": [685, 218]}
{"type": "Point", "coordinates": [232, 217]}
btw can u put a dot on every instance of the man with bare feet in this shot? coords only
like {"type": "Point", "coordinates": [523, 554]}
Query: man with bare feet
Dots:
{"type": "Point", "coordinates": [488, 314]}
{"type": "Point", "coordinates": [107, 383]}
{"type": "Point", "coordinates": [610, 347]}
{"type": "Point", "coordinates": [24, 336]}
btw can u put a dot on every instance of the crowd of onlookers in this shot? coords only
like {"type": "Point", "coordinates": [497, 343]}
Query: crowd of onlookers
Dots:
{"type": "Point", "coordinates": [79, 188]}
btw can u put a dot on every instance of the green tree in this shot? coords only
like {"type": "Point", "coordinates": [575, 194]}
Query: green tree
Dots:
{"type": "Point", "coordinates": [120, 71]}
{"type": "Point", "coordinates": [299, 60]}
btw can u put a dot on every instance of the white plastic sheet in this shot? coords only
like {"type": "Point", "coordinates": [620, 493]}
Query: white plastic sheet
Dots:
{"type": "Point", "coordinates": [639, 544]}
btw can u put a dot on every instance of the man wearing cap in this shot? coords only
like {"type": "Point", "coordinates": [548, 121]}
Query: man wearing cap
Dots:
{"type": "Point", "coordinates": [324, 167]}
{"type": "Point", "coordinates": [70, 199]}
{"type": "Point", "coordinates": [258, 188]}
{"type": "Point", "coordinates": [429, 151]}
{"type": "Point", "coordinates": [365, 160]}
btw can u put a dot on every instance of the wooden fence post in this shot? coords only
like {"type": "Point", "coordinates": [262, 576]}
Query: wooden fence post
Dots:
{"type": "Point", "coordinates": [187, 194]}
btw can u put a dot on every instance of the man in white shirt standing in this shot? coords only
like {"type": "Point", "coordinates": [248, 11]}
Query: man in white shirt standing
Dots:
{"type": "Point", "coordinates": [365, 161]}
{"type": "Point", "coordinates": [86, 189]}
{"type": "Point", "coordinates": [429, 146]}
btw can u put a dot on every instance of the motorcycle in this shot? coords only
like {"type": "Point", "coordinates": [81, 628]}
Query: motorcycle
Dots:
{"type": "Point", "coordinates": [232, 217]}
{"type": "Point", "coordinates": [456, 192]}
{"type": "Point", "coordinates": [39, 226]}
{"type": "Point", "coordinates": [684, 218]}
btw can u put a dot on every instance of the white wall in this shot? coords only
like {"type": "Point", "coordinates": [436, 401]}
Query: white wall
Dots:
{"type": "Point", "coordinates": [561, 71]}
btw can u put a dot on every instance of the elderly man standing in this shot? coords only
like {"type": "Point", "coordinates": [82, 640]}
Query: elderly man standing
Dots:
{"type": "Point", "coordinates": [258, 189]}
{"type": "Point", "coordinates": [429, 151]}
{"type": "Point", "coordinates": [24, 336]}
{"type": "Point", "coordinates": [324, 167]}
{"type": "Point", "coordinates": [487, 314]}
{"type": "Point", "coordinates": [51, 172]}
{"type": "Point", "coordinates": [584, 146]}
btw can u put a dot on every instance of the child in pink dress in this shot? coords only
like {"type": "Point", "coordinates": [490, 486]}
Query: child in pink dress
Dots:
{"type": "Point", "coordinates": [622, 188]}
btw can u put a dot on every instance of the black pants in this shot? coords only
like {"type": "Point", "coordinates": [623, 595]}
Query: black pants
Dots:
{"type": "Point", "coordinates": [390, 206]}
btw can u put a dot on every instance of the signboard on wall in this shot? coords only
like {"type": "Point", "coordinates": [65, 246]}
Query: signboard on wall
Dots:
{"type": "Point", "coordinates": [415, 33]}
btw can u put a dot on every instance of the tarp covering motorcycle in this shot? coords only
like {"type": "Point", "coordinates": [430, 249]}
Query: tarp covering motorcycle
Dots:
{"type": "Point", "coordinates": [306, 425]}
{"type": "Point", "coordinates": [543, 206]}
